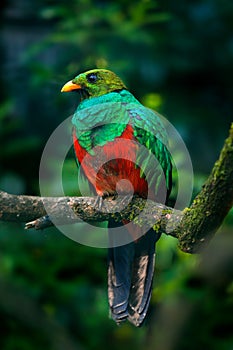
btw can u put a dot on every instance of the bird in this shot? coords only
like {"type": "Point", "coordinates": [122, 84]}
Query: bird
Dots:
{"type": "Point", "coordinates": [116, 139]}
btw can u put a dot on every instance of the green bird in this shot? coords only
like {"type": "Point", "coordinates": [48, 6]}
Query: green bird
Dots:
{"type": "Point", "coordinates": [121, 147]}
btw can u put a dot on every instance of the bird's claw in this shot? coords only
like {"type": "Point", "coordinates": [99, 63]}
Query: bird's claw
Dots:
{"type": "Point", "coordinates": [125, 200]}
{"type": "Point", "coordinates": [98, 203]}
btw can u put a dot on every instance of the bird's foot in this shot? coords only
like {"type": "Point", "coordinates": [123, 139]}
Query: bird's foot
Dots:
{"type": "Point", "coordinates": [125, 200]}
{"type": "Point", "coordinates": [99, 203]}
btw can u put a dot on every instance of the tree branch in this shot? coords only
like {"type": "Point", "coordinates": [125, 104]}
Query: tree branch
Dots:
{"type": "Point", "coordinates": [21, 208]}
{"type": "Point", "coordinates": [193, 227]}
{"type": "Point", "coordinates": [211, 205]}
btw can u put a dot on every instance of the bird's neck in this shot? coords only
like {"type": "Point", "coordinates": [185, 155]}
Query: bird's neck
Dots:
{"type": "Point", "coordinates": [115, 96]}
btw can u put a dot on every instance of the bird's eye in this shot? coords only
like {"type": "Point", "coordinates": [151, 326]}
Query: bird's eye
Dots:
{"type": "Point", "coordinates": [92, 78]}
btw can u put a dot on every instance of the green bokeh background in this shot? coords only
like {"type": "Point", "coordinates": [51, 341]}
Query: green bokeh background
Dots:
{"type": "Point", "coordinates": [176, 57]}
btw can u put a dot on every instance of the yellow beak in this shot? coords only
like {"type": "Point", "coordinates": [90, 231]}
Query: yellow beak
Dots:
{"type": "Point", "coordinates": [69, 86]}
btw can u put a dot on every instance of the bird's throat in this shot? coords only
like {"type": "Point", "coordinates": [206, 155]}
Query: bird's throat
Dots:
{"type": "Point", "coordinates": [84, 94]}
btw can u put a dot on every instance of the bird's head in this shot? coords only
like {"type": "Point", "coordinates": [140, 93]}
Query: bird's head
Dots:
{"type": "Point", "coordinates": [94, 83]}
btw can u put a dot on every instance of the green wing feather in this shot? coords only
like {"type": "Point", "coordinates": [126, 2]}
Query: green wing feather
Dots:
{"type": "Point", "coordinates": [154, 158]}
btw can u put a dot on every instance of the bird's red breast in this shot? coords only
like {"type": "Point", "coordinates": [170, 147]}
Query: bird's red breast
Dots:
{"type": "Point", "coordinates": [111, 163]}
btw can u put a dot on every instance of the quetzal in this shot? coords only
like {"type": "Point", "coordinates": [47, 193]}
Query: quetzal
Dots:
{"type": "Point", "coordinates": [115, 138]}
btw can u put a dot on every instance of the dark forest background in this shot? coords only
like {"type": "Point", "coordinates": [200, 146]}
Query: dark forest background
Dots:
{"type": "Point", "coordinates": [175, 57]}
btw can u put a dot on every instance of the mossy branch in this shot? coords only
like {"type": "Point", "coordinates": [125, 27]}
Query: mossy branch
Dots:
{"type": "Point", "coordinates": [68, 210]}
{"type": "Point", "coordinates": [193, 227]}
{"type": "Point", "coordinates": [211, 205]}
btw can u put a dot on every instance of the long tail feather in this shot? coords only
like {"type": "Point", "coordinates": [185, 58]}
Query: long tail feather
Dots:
{"type": "Point", "coordinates": [142, 278]}
{"type": "Point", "coordinates": [119, 280]}
{"type": "Point", "coordinates": [130, 277]}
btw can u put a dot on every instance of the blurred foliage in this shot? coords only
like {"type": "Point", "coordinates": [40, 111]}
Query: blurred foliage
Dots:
{"type": "Point", "coordinates": [176, 57]}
